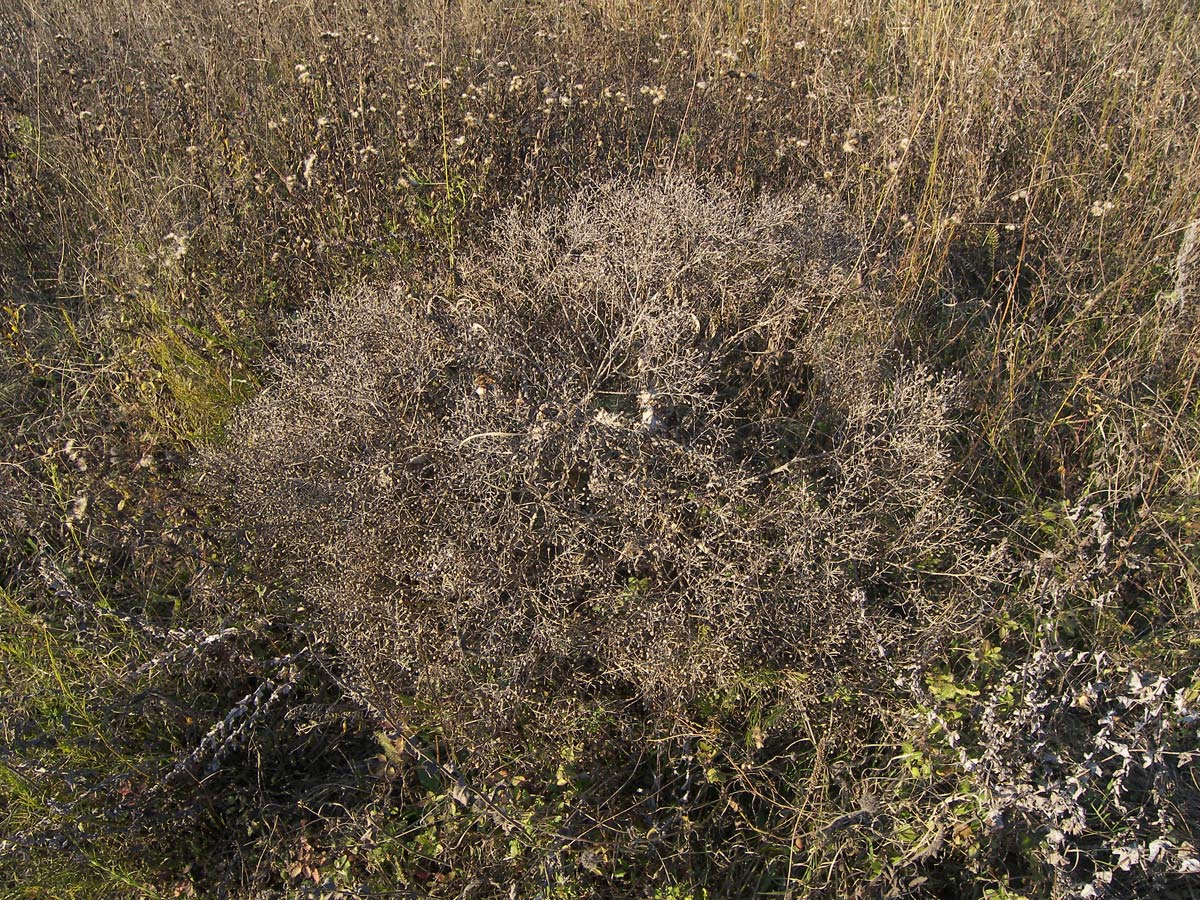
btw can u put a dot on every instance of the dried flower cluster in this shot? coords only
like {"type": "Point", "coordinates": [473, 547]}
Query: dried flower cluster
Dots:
{"type": "Point", "coordinates": [656, 442]}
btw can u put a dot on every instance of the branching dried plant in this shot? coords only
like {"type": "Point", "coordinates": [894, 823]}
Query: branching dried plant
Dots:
{"type": "Point", "coordinates": [655, 442]}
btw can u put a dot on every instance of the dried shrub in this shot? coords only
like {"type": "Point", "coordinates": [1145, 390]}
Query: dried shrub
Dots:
{"type": "Point", "coordinates": [655, 443]}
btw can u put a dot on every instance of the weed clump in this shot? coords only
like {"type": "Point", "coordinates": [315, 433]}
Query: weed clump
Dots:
{"type": "Point", "coordinates": [656, 444]}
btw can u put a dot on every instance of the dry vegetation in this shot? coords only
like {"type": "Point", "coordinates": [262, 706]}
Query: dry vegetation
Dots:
{"type": "Point", "coordinates": [565, 450]}
{"type": "Point", "coordinates": [635, 460]}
